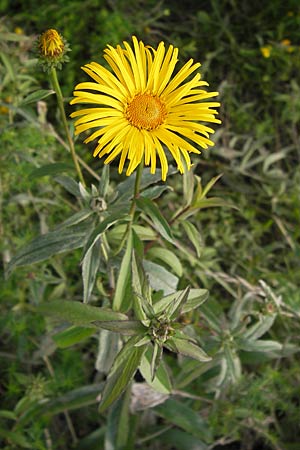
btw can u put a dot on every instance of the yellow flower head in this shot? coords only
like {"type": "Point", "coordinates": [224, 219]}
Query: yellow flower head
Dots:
{"type": "Point", "coordinates": [52, 49]}
{"type": "Point", "coordinates": [51, 43]}
{"type": "Point", "coordinates": [141, 108]}
{"type": "Point", "coordinates": [266, 51]}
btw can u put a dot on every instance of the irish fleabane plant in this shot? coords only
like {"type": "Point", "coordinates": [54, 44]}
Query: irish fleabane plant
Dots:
{"type": "Point", "coordinates": [141, 112]}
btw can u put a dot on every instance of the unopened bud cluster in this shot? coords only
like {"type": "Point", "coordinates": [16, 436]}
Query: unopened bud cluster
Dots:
{"type": "Point", "coordinates": [52, 49]}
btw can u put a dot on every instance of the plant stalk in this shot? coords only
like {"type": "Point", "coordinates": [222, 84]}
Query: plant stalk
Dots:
{"type": "Point", "coordinates": [60, 101]}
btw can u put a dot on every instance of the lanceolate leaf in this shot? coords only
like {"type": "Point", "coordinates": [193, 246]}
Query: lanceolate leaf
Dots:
{"type": "Point", "coordinates": [49, 244]}
{"type": "Point", "coordinates": [159, 222]}
{"type": "Point", "coordinates": [50, 169]}
{"type": "Point", "coordinates": [72, 336]}
{"type": "Point", "coordinates": [167, 257]}
{"type": "Point", "coordinates": [160, 278]}
{"type": "Point", "coordinates": [187, 348]}
{"type": "Point", "coordinates": [90, 266]}
{"type": "Point", "coordinates": [78, 313]}
{"type": "Point", "coordinates": [122, 371]}
{"type": "Point", "coordinates": [195, 298]}
{"type": "Point", "coordinates": [120, 301]}
{"type": "Point", "coordinates": [103, 226]}
{"type": "Point", "coordinates": [185, 418]}
{"type": "Point", "coordinates": [125, 327]}
{"type": "Point", "coordinates": [161, 381]}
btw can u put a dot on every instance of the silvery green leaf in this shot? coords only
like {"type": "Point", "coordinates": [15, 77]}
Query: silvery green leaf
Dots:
{"type": "Point", "coordinates": [259, 328]}
{"type": "Point", "coordinates": [161, 382]}
{"type": "Point", "coordinates": [195, 298]}
{"type": "Point", "coordinates": [166, 256]}
{"type": "Point", "coordinates": [90, 266]}
{"type": "Point", "coordinates": [79, 313]}
{"type": "Point", "coordinates": [260, 345]}
{"type": "Point", "coordinates": [72, 335]}
{"type": "Point", "coordinates": [109, 346]}
{"type": "Point", "coordinates": [186, 347]}
{"type": "Point", "coordinates": [123, 369]}
{"type": "Point", "coordinates": [160, 278]}
{"type": "Point", "coordinates": [121, 302]}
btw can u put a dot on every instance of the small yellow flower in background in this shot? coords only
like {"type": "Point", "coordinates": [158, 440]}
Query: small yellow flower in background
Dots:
{"type": "Point", "coordinates": [140, 109]}
{"type": "Point", "coordinates": [52, 48]}
{"type": "Point", "coordinates": [287, 44]}
{"type": "Point", "coordinates": [19, 30]}
{"type": "Point", "coordinates": [266, 51]}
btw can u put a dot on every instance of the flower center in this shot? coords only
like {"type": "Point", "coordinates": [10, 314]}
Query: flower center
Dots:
{"type": "Point", "coordinates": [145, 111]}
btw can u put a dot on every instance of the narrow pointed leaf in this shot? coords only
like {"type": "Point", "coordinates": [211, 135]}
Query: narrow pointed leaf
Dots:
{"type": "Point", "coordinates": [159, 222]}
{"type": "Point", "coordinates": [47, 245]}
{"type": "Point", "coordinates": [120, 301]}
{"type": "Point", "coordinates": [90, 266]}
{"type": "Point", "coordinates": [161, 381]}
{"type": "Point", "coordinates": [160, 278]}
{"type": "Point", "coordinates": [166, 256]}
{"type": "Point", "coordinates": [195, 298]}
{"type": "Point", "coordinates": [122, 372]}
{"type": "Point", "coordinates": [185, 418]}
{"type": "Point", "coordinates": [78, 313]}
{"type": "Point", "coordinates": [72, 336]}
{"type": "Point", "coordinates": [125, 327]}
{"type": "Point", "coordinates": [187, 348]}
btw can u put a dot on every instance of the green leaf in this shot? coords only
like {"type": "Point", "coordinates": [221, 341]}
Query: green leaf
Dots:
{"type": "Point", "coordinates": [76, 218]}
{"type": "Point", "coordinates": [139, 290]}
{"type": "Point", "coordinates": [37, 96]}
{"type": "Point", "coordinates": [184, 417]}
{"type": "Point", "coordinates": [160, 278]}
{"type": "Point", "coordinates": [103, 226]}
{"type": "Point", "coordinates": [166, 256]}
{"type": "Point", "coordinates": [78, 313]}
{"type": "Point", "coordinates": [186, 347]}
{"type": "Point", "coordinates": [72, 336]}
{"type": "Point", "coordinates": [75, 399]}
{"type": "Point", "coordinates": [90, 266]}
{"type": "Point", "coordinates": [259, 328]}
{"type": "Point", "coordinates": [69, 184]}
{"type": "Point", "coordinates": [210, 184]}
{"type": "Point", "coordinates": [232, 369]}
{"type": "Point", "coordinates": [195, 298]}
{"type": "Point", "coordinates": [175, 306]}
{"type": "Point", "coordinates": [122, 371]}
{"type": "Point", "coordinates": [261, 345]}
{"type": "Point", "coordinates": [125, 327]}
{"type": "Point", "coordinates": [193, 235]}
{"type": "Point", "coordinates": [117, 426]}
{"type": "Point", "coordinates": [120, 301]}
{"type": "Point", "coordinates": [161, 382]}
{"type": "Point", "coordinates": [47, 245]}
{"type": "Point", "coordinates": [182, 440]}
{"type": "Point", "coordinates": [211, 203]}
{"type": "Point", "coordinates": [50, 170]}
{"type": "Point", "coordinates": [109, 345]}
{"type": "Point", "coordinates": [159, 222]}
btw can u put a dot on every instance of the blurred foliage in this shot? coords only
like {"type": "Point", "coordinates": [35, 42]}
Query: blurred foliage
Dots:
{"type": "Point", "coordinates": [227, 251]}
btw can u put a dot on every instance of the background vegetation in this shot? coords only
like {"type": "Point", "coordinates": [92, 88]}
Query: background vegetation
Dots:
{"type": "Point", "coordinates": [247, 257]}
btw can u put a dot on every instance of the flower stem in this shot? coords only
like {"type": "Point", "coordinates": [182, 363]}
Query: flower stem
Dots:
{"type": "Point", "coordinates": [60, 101]}
{"type": "Point", "coordinates": [137, 184]}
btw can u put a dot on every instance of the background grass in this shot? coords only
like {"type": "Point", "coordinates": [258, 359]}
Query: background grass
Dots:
{"type": "Point", "coordinates": [257, 150]}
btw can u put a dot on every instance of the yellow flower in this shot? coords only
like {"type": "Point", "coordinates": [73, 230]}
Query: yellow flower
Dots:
{"type": "Point", "coordinates": [286, 42]}
{"type": "Point", "coordinates": [266, 51]}
{"type": "Point", "coordinates": [141, 109]}
{"type": "Point", "coordinates": [19, 30]}
{"type": "Point", "coordinates": [51, 43]}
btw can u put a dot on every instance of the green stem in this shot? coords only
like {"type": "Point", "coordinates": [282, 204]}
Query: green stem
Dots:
{"type": "Point", "coordinates": [60, 101]}
{"type": "Point", "coordinates": [137, 184]}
